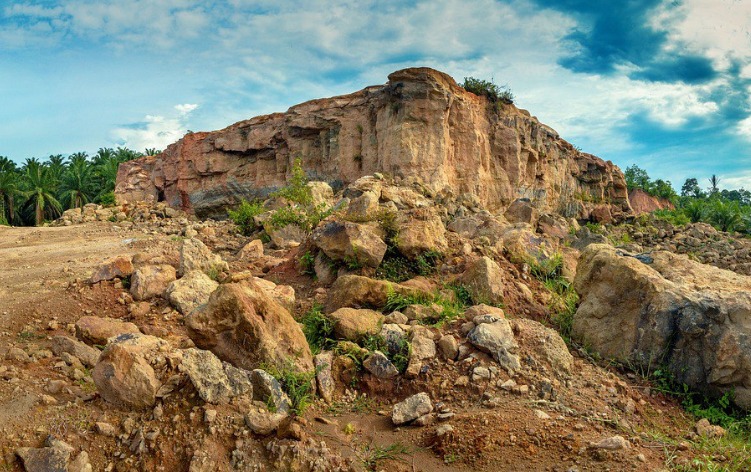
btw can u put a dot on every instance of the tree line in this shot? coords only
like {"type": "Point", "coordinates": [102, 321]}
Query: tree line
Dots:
{"type": "Point", "coordinates": [727, 209]}
{"type": "Point", "coordinates": [41, 190]}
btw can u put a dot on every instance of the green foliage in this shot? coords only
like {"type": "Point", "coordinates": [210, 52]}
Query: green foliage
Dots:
{"type": "Point", "coordinates": [243, 216]}
{"type": "Point", "coordinates": [318, 329]}
{"type": "Point", "coordinates": [396, 301]}
{"type": "Point", "coordinates": [41, 190]}
{"type": "Point", "coordinates": [298, 385]}
{"type": "Point", "coordinates": [399, 355]}
{"type": "Point", "coordinates": [489, 89]}
{"type": "Point", "coordinates": [637, 178]}
{"type": "Point", "coordinates": [297, 189]}
{"type": "Point", "coordinates": [307, 263]}
{"type": "Point", "coordinates": [546, 269]}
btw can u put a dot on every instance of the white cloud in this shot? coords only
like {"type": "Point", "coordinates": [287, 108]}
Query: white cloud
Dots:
{"type": "Point", "coordinates": [156, 131]}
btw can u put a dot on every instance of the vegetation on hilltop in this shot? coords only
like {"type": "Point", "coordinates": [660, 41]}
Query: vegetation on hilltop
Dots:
{"type": "Point", "coordinates": [726, 210]}
{"type": "Point", "coordinates": [42, 190]}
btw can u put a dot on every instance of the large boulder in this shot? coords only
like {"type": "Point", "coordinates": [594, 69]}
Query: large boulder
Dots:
{"type": "Point", "coordinates": [493, 335]}
{"type": "Point", "coordinates": [484, 280]}
{"type": "Point", "coordinates": [195, 255]}
{"type": "Point", "coordinates": [244, 326]}
{"type": "Point", "coordinates": [350, 242]}
{"type": "Point", "coordinates": [420, 230]}
{"type": "Point", "coordinates": [420, 126]}
{"type": "Point", "coordinates": [352, 324]}
{"type": "Point", "coordinates": [97, 330]}
{"type": "Point", "coordinates": [124, 375]}
{"type": "Point", "coordinates": [151, 281]}
{"type": "Point", "coordinates": [362, 292]}
{"type": "Point", "coordinates": [663, 309]}
{"type": "Point", "coordinates": [193, 289]}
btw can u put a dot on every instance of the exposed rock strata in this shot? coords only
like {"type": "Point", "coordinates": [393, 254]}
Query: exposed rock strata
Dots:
{"type": "Point", "coordinates": [420, 127]}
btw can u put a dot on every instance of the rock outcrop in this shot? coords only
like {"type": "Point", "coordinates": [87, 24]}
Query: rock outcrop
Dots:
{"type": "Point", "coordinates": [665, 310]}
{"type": "Point", "coordinates": [420, 127]}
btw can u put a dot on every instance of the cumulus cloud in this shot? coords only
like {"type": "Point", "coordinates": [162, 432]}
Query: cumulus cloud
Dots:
{"type": "Point", "coordinates": [155, 131]}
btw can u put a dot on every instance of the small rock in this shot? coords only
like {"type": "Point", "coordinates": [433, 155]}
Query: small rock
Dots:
{"type": "Point", "coordinates": [448, 347]}
{"type": "Point", "coordinates": [263, 422]}
{"type": "Point", "coordinates": [704, 428]}
{"type": "Point", "coordinates": [105, 429]}
{"type": "Point", "coordinates": [380, 366]}
{"type": "Point", "coordinates": [411, 408]}
{"type": "Point", "coordinates": [613, 443]}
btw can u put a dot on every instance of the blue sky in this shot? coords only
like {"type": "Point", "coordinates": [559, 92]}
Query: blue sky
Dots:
{"type": "Point", "coordinates": [662, 84]}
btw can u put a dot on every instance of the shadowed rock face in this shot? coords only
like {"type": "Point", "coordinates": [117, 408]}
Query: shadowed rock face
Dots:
{"type": "Point", "coordinates": [420, 127]}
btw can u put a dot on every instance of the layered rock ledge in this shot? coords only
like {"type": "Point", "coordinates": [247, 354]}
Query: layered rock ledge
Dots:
{"type": "Point", "coordinates": [420, 127]}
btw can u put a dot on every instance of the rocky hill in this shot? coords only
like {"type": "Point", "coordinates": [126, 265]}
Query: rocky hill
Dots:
{"type": "Point", "coordinates": [433, 305]}
{"type": "Point", "coordinates": [420, 127]}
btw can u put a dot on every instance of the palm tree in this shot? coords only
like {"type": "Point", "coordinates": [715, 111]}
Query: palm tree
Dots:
{"type": "Point", "coordinates": [125, 154]}
{"type": "Point", "coordinates": [56, 166]}
{"type": "Point", "coordinates": [7, 164]}
{"type": "Point", "coordinates": [78, 181]}
{"type": "Point", "coordinates": [106, 173]}
{"type": "Point", "coordinates": [8, 193]}
{"type": "Point", "coordinates": [714, 181]}
{"type": "Point", "coordinates": [39, 191]}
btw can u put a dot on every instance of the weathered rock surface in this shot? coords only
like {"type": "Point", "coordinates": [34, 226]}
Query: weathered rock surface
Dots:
{"type": "Point", "coordinates": [151, 281]}
{"type": "Point", "coordinates": [194, 255]}
{"type": "Point", "coordinates": [420, 126]}
{"type": "Point", "coordinates": [214, 381]}
{"type": "Point", "coordinates": [494, 336]}
{"type": "Point", "coordinates": [665, 309]}
{"type": "Point", "coordinates": [379, 365]}
{"type": "Point", "coordinates": [86, 354]}
{"type": "Point", "coordinates": [193, 289]}
{"type": "Point", "coordinates": [350, 242]}
{"type": "Point", "coordinates": [120, 266]}
{"type": "Point", "coordinates": [484, 280]}
{"type": "Point", "coordinates": [246, 327]}
{"type": "Point", "coordinates": [642, 202]}
{"type": "Point", "coordinates": [124, 375]}
{"type": "Point", "coordinates": [362, 292]}
{"type": "Point", "coordinates": [55, 456]}
{"type": "Point", "coordinates": [352, 324]}
{"type": "Point", "coordinates": [411, 408]}
{"type": "Point", "coordinates": [96, 330]}
{"type": "Point", "coordinates": [420, 230]}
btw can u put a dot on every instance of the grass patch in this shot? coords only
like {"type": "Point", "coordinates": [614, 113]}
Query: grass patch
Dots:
{"type": "Point", "coordinates": [451, 307]}
{"type": "Point", "coordinates": [373, 455]}
{"type": "Point", "coordinates": [298, 385]}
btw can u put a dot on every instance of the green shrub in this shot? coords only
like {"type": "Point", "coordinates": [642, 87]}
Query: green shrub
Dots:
{"type": "Point", "coordinates": [547, 268]}
{"type": "Point", "coordinates": [244, 215]}
{"type": "Point", "coordinates": [318, 329]}
{"type": "Point", "coordinates": [307, 263]}
{"type": "Point", "coordinates": [297, 189]}
{"type": "Point", "coordinates": [489, 89]}
{"type": "Point", "coordinates": [107, 199]}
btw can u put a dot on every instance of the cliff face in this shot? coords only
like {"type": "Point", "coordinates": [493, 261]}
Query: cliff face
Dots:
{"type": "Point", "coordinates": [642, 202]}
{"type": "Point", "coordinates": [420, 127]}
